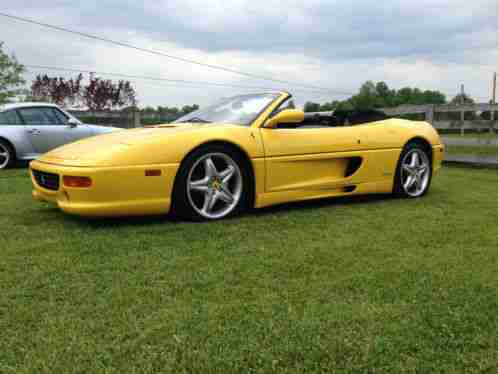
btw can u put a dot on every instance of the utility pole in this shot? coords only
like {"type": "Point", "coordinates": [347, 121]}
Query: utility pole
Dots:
{"type": "Point", "coordinates": [493, 93]}
{"type": "Point", "coordinates": [462, 113]}
{"type": "Point", "coordinates": [493, 101]}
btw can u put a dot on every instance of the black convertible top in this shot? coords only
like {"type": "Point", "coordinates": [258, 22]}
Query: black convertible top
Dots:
{"type": "Point", "coordinates": [345, 117]}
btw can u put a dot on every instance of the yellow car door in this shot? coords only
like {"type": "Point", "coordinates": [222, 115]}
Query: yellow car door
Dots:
{"type": "Point", "coordinates": [317, 159]}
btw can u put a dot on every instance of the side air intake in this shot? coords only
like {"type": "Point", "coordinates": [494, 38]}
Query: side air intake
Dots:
{"type": "Point", "coordinates": [354, 164]}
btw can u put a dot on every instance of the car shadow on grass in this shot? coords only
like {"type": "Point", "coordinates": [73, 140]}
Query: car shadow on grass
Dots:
{"type": "Point", "coordinates": [170, 219]}
{"type": "Point", "coordinates": [21, 164]}
{"type": "Point", "coordinates": [322, 203]}
{"type": "Point", "coordinates": [104, 222]}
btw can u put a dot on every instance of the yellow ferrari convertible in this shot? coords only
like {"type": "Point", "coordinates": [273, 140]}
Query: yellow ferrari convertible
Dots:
{"type": "Point", "coordinates": [246, 151]}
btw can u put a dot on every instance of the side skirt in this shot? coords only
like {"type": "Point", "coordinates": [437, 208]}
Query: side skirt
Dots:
{"type": "Point", "coordinates": [273, 198]}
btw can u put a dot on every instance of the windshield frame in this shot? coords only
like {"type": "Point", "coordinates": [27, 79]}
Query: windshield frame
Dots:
{"type": "Point", "coordinates": [275, 97]}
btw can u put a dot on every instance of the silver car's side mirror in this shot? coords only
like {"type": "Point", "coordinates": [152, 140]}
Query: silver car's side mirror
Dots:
{"type": "Point", "coordinates": [72, 123]}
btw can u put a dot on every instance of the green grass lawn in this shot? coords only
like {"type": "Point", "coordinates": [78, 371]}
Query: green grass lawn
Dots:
{"type": "Point", "coordinates": [465, 150]}
{"type": "Point", "coordinates": [347, 285]}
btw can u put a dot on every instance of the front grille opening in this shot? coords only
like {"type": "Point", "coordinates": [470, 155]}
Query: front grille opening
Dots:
{"type": "Point", "coordinates": [49, 181]}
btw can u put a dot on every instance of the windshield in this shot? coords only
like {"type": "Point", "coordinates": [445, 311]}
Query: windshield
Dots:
{"type": "Point", "coordinates": [237, 110]}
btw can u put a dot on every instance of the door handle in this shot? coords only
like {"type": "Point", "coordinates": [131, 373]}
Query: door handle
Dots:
{"type": "Point", "coordinates": [34, 132]}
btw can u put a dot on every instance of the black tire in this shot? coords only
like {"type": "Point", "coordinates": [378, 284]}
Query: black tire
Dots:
{"type": "Point", "coordinates": [399, 189]}
{"type": "Point", "coordinates": [5, 147]}
{"type": "Point", "coordinates": [181, 204]}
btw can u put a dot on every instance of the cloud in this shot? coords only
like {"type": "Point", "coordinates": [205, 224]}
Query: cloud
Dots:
{"type": "Point", "coordinates": [338, 44]}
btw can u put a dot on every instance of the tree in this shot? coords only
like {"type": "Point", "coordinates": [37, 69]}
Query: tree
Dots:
{"type": "Point", "coordinates": [102, 94]}
{"type": "Point", "coordinates": [57, 90]}
{"type": "Point", "coordinates": [10, 76]}
{"type": "Point", "coordinates": [164, 110]}
{"type": "Point", "coordinates": [327, 107]}
{"type": "Point", "coordinates": [434, 97]}
{"type": "Point", "coordinates": [148, 110]}
{"type": "Point", "coordinates": [312, 107]}
{"type": "Point", "coordinates": [379, 95]}
{"type": "Point", "coordinates": [367, 98]}
{"type": "Point", "coordinates": [189, 109]}
{"type": "Point", "coordinates": [97, 95]}
{"type": "Point", "coordinates": [385, 95]}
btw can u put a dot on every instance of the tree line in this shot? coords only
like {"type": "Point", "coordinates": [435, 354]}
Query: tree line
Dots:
{"type": "Point", "coordinates": [97, 94]}
{"type": "Point", "coordinates": [379, 95]}
{"type": "Point", "coordinates": [165, 114]}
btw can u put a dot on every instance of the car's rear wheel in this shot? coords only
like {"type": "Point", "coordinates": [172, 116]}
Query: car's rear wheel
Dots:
{"type": "Point", "coordinates": [7, 155]}
{"type": "Point", "coordinates": [414, 172]}
{"type": "Point", "coordinates": [212, 183]}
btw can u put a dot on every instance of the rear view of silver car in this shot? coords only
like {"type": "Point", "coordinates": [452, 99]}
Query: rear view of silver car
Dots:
{"type": "Point", "coordinates": [28, 130]}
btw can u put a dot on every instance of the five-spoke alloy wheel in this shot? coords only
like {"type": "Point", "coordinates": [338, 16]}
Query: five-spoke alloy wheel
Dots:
{"type": "Point", "coordinates": [212, 183]}
{"type": "Point", "coordinates": [414, 172]}
{"type": "Point", "coordinates": [6, 155]}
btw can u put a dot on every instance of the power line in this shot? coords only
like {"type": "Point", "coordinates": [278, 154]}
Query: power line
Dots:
{"type": "Point", "coordinates": [150, 81]}
{"type": "Point", "coordinates": [161, 79]}
{"type": "Point", "coordinates": [162, 54]}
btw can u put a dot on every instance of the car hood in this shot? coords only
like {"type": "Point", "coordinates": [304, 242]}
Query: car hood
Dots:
{"type": "Point", "coordinates": [141, 146]}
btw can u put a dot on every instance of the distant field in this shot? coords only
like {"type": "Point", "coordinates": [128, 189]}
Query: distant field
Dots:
{"type": "Point", "coordinates": [357, 285]}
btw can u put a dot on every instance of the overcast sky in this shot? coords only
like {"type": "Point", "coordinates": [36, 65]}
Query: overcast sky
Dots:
{"type": "Point", "coordinates": [431, 44]}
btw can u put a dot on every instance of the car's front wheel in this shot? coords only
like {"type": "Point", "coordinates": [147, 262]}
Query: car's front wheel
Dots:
{"type": "Point", "coordinates": [212, 183]}
{"type": "Point", "coordinates": [414, 172]}
{"type": "Point", "coordinates": [7, 155]}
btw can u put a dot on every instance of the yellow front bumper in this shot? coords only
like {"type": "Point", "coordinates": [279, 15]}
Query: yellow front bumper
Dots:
{"type": "Point", "coordinates": [438, 157]}
{"type": "Point", "coordinates": [115, 191]}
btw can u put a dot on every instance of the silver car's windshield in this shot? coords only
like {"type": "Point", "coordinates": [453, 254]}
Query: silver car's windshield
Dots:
{"type": "Point", "coordinates": [237, 110]}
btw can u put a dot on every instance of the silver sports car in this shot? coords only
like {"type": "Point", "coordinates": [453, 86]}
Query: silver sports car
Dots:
{"type": "Point", "coordinates": [28, 130]}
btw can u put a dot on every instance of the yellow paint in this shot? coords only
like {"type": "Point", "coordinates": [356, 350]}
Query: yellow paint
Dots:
{"type": "Point", "coordinates": [288, 164]}
{"type": "Point", "coordinates": [438, 157]}
{"type": "Point", "coordinates": [115, 191]}
{"type": "Point", "coordinates": [285, 116]}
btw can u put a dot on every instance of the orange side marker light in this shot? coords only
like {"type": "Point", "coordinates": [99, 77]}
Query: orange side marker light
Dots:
{"type": "Point", "coordinates": [77, 182]}
{"type": "Point", "coordinates": [153, 173]}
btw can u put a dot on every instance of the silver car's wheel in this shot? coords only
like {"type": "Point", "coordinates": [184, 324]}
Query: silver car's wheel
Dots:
{"type": "Point", "coordinates": [415, 172]}
{"type": "Point", "coordinates": [5, 155]}
{"type": "Point", "coordinates": [214, 185]}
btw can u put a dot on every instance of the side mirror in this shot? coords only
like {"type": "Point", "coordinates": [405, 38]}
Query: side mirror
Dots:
{"type": "Point", "coordinates": [72, 123]}
{"type": "Point", "coordinates": [285, 116]}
